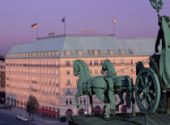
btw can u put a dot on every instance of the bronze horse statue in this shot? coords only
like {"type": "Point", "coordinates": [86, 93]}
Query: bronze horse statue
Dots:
{"type": "Point", "coordinates": [98, 86]}
{"type": "Point", "coordinates": [122, 84]}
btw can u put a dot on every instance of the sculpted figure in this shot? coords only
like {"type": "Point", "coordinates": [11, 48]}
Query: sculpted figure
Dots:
{"type": "Point", "coordinates": [101, 86]}
{"type": "Point", "coordinates": [157, 4]}
{"type": "Point", "coordinates": [110, 74]}
{"type": "Point", "coordinates": [164, 37]}
{"type": "Point", "coordinates": [160, 36]}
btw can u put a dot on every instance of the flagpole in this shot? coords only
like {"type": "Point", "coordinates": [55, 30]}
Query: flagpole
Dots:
{"type": "Point", "coordinates": [36, 33]}
{"type": "Point", "coordinates": [64, 28]}
{"type": "Point", "coordinates": [35, 27]}
{"type": "Point", "coordinates": [64, 23]}
{"type": "Point", "coordinates": [114, 24]}
{"type": "Point", "coordinates": [114, 21]}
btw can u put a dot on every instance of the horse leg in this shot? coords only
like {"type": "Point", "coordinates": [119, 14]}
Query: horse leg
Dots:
{"type": "Point", "coordinates": [91, 104]}
{"type": "Point", "coordinates": [129, 93]}
{"type": "Point", "coordinates": [120, 94]}
{"type": "Point", "coordinates": [107, 111]}
{"type": "Point", "coordinates": [76, 101]}
{"type": "Point", "coordinates": [130, 97]}
{"type": "Point", "coordinates": [133, 101]}
{"type": "Point", "coordinates": [100, 94]}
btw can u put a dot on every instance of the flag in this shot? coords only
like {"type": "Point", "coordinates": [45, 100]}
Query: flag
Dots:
{"type": "Point", "coordinates": [34, 26]}
{"type": "Point", "coordinates": [63, 19]}
{"type": "Point", "coordinates": [114, 20]}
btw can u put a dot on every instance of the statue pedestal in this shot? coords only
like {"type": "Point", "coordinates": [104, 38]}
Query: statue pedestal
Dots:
{"type": "Point", "coordinates": [80, 120]}
{"type": "Point", "coordinates": [161, 119]}
{"type": "Point", "coordinates": [168, 102]}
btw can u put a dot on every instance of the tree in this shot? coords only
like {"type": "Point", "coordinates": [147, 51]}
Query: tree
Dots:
{"type": "Point", "coordinates": [32, 105]}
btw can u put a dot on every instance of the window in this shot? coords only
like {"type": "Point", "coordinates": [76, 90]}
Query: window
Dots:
{"type": "Point", "coordinates": [68, 72]}
{"type": "Point", "coordinates": [84, 101]}
{"type": "Point", "coordinates": [67, 53]}
{"type": "Point", "coordinates": [91, 63]}
{"type": "Point", "coordinates": [122, 51]}
{"type": "Point", "coordinates": [68, 91]}
{"type": "Point", "coordinates": [68, 82]}
{"type": "Point", "coordinates": [49, 53]}
{"type": "Point", "coordinates": [66, 101]}
{"type": "Point", "coordinates": [80, 53]}
{"type": "Point", "coordinates": [122, 61]}
{"type": "Point", "coordinates": [95, 62]}
{"type": "Point", "coordinates": [52, 53]}
{"type": "Point", "coordinates": [68, 63]}
{"type": "Point", "coordinates": [110, 52]}
{"type": "Point", "coordinates": [81, 101]}
{"type": "Point", "coordinates": [70, 102]}
{"type": "Point", "coordinates": [57, 52]}
{"type": "Point", "coordinates": [131, 51]}
{"type": "Point", "coordinates": [101, 62]}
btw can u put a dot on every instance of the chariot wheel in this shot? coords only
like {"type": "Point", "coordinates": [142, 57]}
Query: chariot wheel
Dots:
{"type": "Point", "coordinates": [147, 91]}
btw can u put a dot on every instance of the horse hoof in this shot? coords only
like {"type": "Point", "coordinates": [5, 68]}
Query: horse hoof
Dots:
{"type": "Point", "coordinates": [117, 108]}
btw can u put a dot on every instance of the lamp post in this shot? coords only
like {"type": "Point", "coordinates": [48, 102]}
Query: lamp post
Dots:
{"type": "Point", "coordinates": [64, 21]}
{"type": "Point", "coordinates": [114, 21]}
{"type": "Point", "coordinates": [35, 27]}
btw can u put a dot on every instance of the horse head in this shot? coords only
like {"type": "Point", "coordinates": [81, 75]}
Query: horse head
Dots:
{"type": "Point", "coordinates": [108, 67]}
{"type": "Point", "coordinates": [81, 70]}
{"type": "Point", "coordinates": [76, 68]}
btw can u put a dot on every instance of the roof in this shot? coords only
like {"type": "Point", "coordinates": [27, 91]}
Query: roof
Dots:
{"type": "Point", "coordinates": [140, 46]}
{"type": "Point", "coordinates": [2, 58]}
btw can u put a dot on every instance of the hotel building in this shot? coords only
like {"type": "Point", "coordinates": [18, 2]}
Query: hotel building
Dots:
{"type": "Point", "coordinates": [2, 80]}
{"type": "Point", "coordinates": [44, 69]}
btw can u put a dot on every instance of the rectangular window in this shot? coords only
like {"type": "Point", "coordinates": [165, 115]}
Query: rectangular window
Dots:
{"type": "Point", "coordinates": [95, 62]}
{"type": "Point", "coordinates": [68, 72]}
{"type": "Point", "coordinates": [68, 82]}
{"type": "Point", "coordinates": [68, 63]}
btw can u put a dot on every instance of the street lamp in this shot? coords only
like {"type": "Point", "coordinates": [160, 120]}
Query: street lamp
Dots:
{"type": "Point", "coordinates": [114, 21]}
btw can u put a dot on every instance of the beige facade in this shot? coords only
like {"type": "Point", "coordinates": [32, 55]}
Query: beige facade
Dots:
{"type": "Point", "coordinates": [50, 78]}
{"type": "Point", "coordinates": [52, 81]}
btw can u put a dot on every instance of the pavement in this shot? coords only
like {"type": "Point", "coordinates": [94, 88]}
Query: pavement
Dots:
{"type": "Point", "coordinates": [36, 119]}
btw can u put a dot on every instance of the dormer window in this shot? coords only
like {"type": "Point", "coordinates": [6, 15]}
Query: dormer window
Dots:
{"type": "Point", "coordinates": [57, 52]}
{"type": "Point", "coordinates": [80, 53]}
{"type": "Point", "coordinates": [95, 52]}
{"type": "Point", "coordinates": [110, 52]}
{"type": "Point", "coordinates": [131, 51]}
{"type": "Point", "coordinates": [67, 53]}
{"type": "Point", "coordinates": [122, 51]}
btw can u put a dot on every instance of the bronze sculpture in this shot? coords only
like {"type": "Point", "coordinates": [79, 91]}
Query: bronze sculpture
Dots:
{"type": "Point", "coordinates": [152, 87]}
{"type": "Point", "coordinates": [152, 83]}
{"type": "Point", "coordinates": [98, 85]}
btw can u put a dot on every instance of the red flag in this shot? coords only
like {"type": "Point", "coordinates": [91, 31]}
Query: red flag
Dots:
{"type": "Point", "coordinates": [34, 26]}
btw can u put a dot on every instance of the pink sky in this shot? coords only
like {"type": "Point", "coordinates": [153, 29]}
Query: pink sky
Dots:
{"type": "Point", "coordinates": [135, 18]}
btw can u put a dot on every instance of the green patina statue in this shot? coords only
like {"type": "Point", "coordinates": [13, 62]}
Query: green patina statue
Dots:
{"type": "Point", "coordinates": [109, 76]}
{"type": "Point", "coordinates": [164, 37]}
{"type": "Point", "coordinates": [118, 84]}
{"type": "Point", "coordinates": [157, 4]}
{"type": "Point", "coordinates": [152, 86]}
{"type": "Point", "coordinates": [89, 86]}
{"type": "Point", "coordinates": [104, 87]}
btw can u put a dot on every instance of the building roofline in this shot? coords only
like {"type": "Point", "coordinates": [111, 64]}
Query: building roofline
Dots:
{"type": "Point", "coordinates": [75, 35]}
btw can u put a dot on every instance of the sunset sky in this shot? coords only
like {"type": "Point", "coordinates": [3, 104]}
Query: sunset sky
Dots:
{"type": "Point", "coordinates": [135, 18]}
